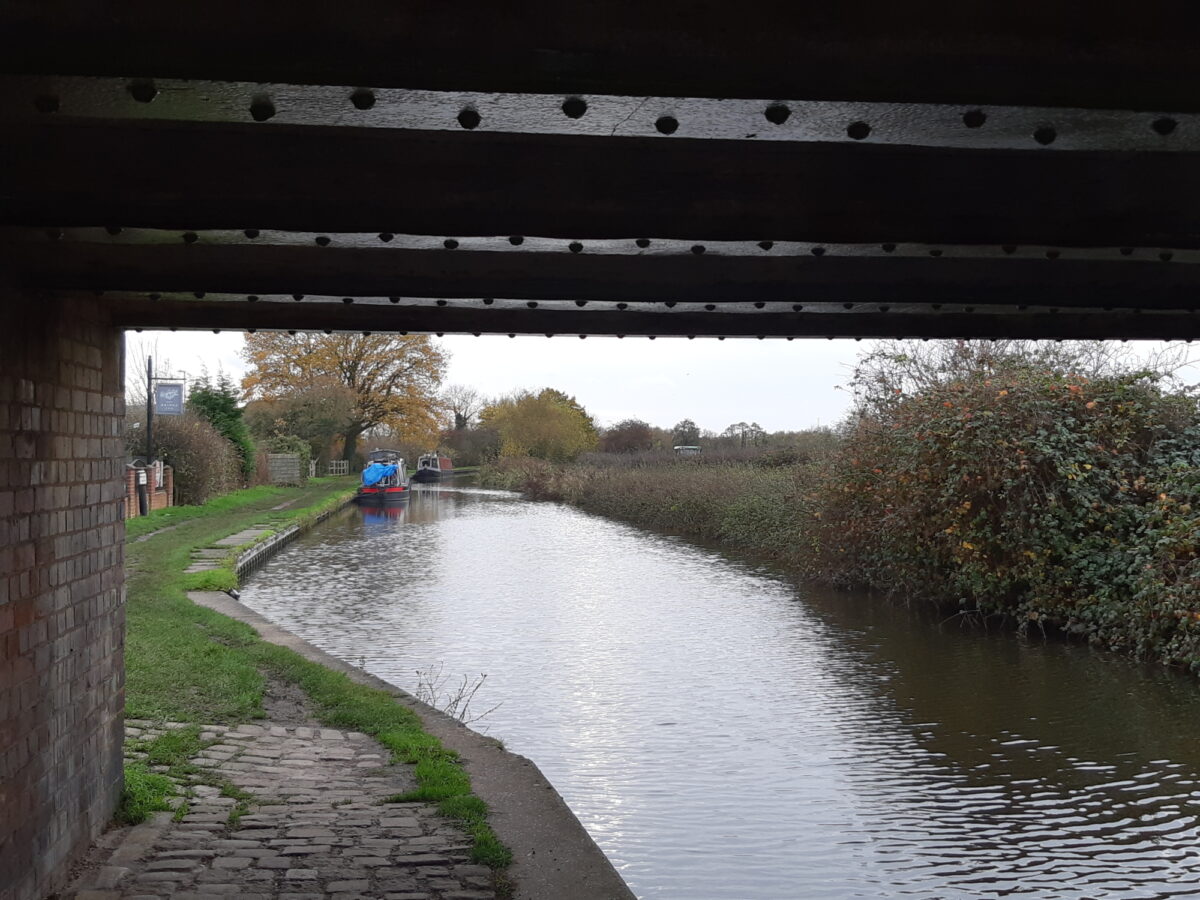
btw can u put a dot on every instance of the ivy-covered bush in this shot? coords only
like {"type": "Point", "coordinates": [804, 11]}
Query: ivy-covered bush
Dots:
{"type": "Point", "coordinates": [1055, 499]}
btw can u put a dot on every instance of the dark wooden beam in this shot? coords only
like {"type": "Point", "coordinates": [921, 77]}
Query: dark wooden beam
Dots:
{"type": "Point", "coordinates": [1023, 52]}
{"type": "Point", "coordinates": [193, 176]}
{"type": "Point", "coordinates": [252, 267]}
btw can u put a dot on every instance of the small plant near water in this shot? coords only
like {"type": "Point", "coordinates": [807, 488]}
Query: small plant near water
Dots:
{"type": "Point", "coordinates": [434, 688]}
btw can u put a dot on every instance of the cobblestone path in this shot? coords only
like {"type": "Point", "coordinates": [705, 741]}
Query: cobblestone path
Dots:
{"type": "Point", "coordinates": [315, 828]}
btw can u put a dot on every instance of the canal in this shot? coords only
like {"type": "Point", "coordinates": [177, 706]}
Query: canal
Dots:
{"type": "Point", "coordinates": [725, 733]}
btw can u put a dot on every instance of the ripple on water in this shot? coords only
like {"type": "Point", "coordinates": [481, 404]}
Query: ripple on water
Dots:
{"type": "Point", "coordinates": [724, 734]}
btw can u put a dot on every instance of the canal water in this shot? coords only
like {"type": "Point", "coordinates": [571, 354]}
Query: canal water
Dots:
{"type": "Point", "coordinates": [724, 732]}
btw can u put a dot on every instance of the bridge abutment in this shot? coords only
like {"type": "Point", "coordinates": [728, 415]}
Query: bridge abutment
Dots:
{"type": "Point", "coordinates": [62, 615]}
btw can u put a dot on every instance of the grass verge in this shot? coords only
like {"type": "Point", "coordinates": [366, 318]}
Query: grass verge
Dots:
{"type": "Point", "coordinates": [187, 663]}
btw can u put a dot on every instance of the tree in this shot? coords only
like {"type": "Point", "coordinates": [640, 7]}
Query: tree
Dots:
{"type": "Point", "coordinates": [217, 403]}
{"type": "Point", "coordinates": [464, 403]}
{"type": "Point", "coordinates": [548, 425]}
{"type": "Point", "coordinates": [393, 378]}
{"type": "Point", "coordinates": [686, 434]}
{"type": "Point", "coordinates": [316, 415]}
{"type": "Point", "coordinates": [628, 436]}
{"type": "Point", "coordinates": [751, 434]}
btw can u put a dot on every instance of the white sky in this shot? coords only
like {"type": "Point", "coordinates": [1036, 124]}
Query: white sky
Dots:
{"type": "Point", "coordinates": [781, 385]}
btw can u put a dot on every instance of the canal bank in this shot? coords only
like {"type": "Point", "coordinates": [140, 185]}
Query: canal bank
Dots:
{"type": "Point", "coordinates": [195, 674]}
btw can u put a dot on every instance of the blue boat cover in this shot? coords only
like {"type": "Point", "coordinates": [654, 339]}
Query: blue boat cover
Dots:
{"type": "Point", "coordinates": [376, 472]}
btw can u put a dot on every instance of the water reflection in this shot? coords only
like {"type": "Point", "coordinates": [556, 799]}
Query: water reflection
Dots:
{"type": "Point", "coordinates": [724, 733]}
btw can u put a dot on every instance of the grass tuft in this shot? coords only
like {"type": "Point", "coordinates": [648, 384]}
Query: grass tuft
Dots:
{"type": "Point", "coordinates": [145, 792]}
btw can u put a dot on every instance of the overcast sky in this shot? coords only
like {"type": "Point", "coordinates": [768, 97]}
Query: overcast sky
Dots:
{"type": "Point", "coordinates": [781, 385]}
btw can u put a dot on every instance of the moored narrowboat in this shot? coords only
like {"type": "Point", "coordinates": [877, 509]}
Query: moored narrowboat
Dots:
{"type": "Point", "coordinates": [384, 479]}
{"type": "Point", "coordinates": [432, 467]}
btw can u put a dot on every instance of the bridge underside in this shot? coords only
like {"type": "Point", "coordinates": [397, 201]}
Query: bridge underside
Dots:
{"type": "Point", "coordinates": [769, 169]}
{"type": "Point", "coordinates": [774, 169]}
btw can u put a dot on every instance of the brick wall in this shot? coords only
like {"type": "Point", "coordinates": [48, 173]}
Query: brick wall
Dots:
{"type": "Point", "coordinates": [160, 498]}
{"type": "Point", "coordinates": [62, 612]}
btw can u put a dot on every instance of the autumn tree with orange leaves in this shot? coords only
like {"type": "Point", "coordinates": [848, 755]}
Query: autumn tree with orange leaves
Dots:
{"type": "Point", "coordinates": [393, 378]}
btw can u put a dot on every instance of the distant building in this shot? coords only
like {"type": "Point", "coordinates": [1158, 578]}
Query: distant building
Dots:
{"type": "Point", "coordinates": [687, 450]}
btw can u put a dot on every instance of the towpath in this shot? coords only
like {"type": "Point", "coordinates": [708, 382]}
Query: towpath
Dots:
{"type": "Point", "coordinates": [315, 828]}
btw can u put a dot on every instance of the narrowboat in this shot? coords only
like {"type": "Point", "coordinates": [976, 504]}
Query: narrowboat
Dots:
{"type": "Point", "coordinates": [432, 467]}
{"type": "Point", "coordinates": [384, 479]}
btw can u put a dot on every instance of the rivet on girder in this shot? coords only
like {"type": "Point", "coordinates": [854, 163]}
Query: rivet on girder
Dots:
{"type": "Point", "coordinates": [516, 240]}
{"type": "Point", "coordinates": [858, 131]}
{"type": "Point", "coordinates": [697, 249]}
{"type": "Point", "coordinates": [363, 98]}
{"type": "Point", "coordinates": [643, 242]}
{"type": "Point", "coordinates": [450, 244]}
{"type": "Point", "coordinates": [469, 119]}
{"type": "Point", "coordinates": [442, 302]}
{"type": "Point", "coordinates": [974, 118]}
{"type": "Point", "coordinates": [574, 107]}
{"type": "Point", "coordinates": [666, 124]}
{"type": "Point", "coordinates": [386, 236]}
{"type": "Point", "coordinates": [142, 90]}
{"type": "Point", "coordinates": [1164, 125]}
{"type": "Point", "coordinates": [322, 241]}
{"type": "Point", "coordinates": [250, 233]}
{"type": "Point", "coordinates": [1045, 135]}
{"type": "Point", "coordinates": [766, 245]}
{"type": "Point", "coordinates": [261, 108]}
{"type": "Point", "coordinates": [777, 113]}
